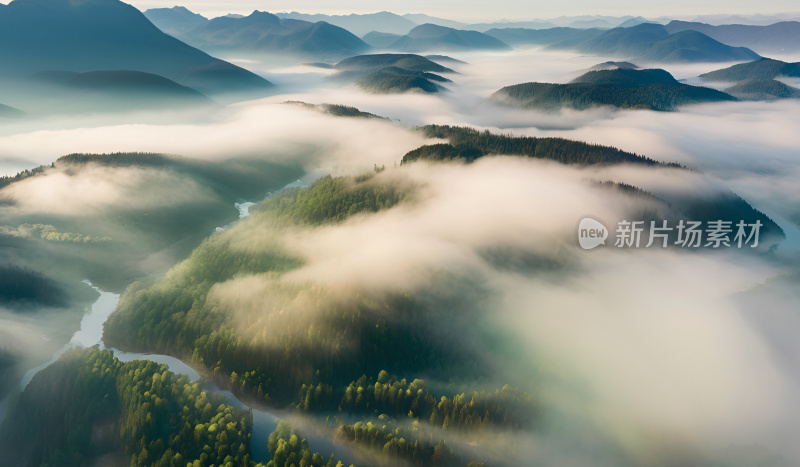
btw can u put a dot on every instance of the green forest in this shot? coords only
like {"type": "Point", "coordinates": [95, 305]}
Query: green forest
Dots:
{"type": "Point", "coordinates": [312, 357]}
{"type": "Point", "coordinates": [172, 315]}
{"type": "Point", "coordinates": [89, 404]}
{"type": "Point", "coordinates": [288, 447]}
{"type": "Point", "coordinates": [6, 180]}
{"type": "Point", "coordinates": [468, 144]}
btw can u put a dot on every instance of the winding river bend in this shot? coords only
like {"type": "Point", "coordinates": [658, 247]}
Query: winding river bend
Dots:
{"type": "Point", "coordinates": [264, 422]}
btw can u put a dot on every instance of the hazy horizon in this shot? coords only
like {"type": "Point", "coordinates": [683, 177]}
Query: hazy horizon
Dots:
{"type": "Point", "coordinates": [476, 11]}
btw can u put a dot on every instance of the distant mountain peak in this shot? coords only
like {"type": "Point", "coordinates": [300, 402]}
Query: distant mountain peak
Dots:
{"type": "Point", "coordinates": [428, 30]}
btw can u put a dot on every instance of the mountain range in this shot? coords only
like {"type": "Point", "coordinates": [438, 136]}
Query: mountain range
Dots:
{"type": "Point", "coordinates": [622, 88]}
{"type": "Point", "coordinates": [176, 20]}
{"type": "Point", "coordinates": [778, 37]}
{"type": "Point", "coordinates": [564, 37]}
{"type": "Point", "coordinates": [652, 42]}
{"type": "Point", "coordinates": [265, 32]}
{"type": "Point", "coordinates": [360, 24]}
{"type": "Point", "coordinates": [644, 41]}
{"type": "Point", "coordinates": [90, 35]}
{"type": "Point", "coordinates": [433, 37]}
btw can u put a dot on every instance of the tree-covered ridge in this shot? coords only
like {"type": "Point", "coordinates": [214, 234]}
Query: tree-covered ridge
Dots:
{"type": "Point", "coordinates": [331, 199]}
{"type": "Point", "coordinates": [629, 190]}
{"type": "Point", "coordinates": [763, 69]}
{"type": "Point", "coordinates": [468, 144]}
{"type": "Point", "coordinates": [289, 448]}
{"type": "Point", "coordinates": [626, 76]}
{"type": "Point", "coordinates": [336, 110]}
{"type": "Point", "coordinates": [763, 90]}
{"type": "Point", "coordinates": [399, 80]}
{"type": "Point", "coordinates": [269, 355]}
{"type": "Point", "coordinates": [581, 96]}
{"type": "Point", "coordinates": [411, 62]}
{"type": "Point", "coordinates": [120, 159]}
{"type": "Point", "coordinates": [88, 404]}
{"type": "Point", "coordinates": [9, 179]}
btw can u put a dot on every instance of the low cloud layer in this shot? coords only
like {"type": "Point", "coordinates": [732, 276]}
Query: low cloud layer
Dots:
{"type": "Point", "coordinates": [646, 345]}
{"type": "Point", "coordinates": [96, 190]}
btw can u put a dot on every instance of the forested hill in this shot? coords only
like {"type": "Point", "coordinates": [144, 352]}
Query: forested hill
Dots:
{"type": "Point", "coordinates": [763, 90]}
{"type": "Point", "coordinates": [763, 69]}
{"type": "Point", "coordinates": [581, 96]}
{"type": "Point", "coordinates": [397, 80]}
{"type": "Point", "coordinates": [307, 347]}
{"type": "Point", "coordinates": [468, 144]}
{"type": "Point", "coordinates": [627, 76]}
{"type": "Point", "coordinates": [412, 62]}
{"type": "Point", "coordinates": [89, 404]}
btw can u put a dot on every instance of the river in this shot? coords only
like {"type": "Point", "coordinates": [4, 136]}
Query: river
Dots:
{"type": "Point", "coordinates": [90, 334]}
{"type": "Point", "coordinates": [264, 422]}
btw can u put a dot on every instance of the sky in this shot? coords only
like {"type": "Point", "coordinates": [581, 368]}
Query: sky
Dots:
{"type": "Point", "coordinates": [482, 10]}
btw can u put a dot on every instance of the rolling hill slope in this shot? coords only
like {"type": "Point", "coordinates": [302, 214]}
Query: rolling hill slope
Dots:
{"type": "Point", "coordinates": [391, 80]}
